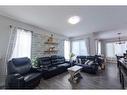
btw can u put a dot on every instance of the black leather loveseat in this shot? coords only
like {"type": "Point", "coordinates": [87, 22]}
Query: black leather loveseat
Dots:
{"type": "Point", "coordinates": [91, 68]}
{"type": "Point", "coordinates": [53, 65]}
{"type": "Point", "coordinates": [21, 75]}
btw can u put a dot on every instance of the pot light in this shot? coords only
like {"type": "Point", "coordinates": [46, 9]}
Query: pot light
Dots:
{"type": "Point", "coordinates": [74, 20]}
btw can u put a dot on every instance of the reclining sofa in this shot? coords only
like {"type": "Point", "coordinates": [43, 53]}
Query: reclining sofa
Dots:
{"type": "Point", "coordinates": [21, 75]}
{"type": "Point", "coordinates": [53, 65]}
{"type": "Point", "coordinates": [91, 68]}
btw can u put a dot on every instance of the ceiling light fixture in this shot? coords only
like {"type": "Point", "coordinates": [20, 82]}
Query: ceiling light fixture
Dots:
{"type": "Point", "coordinates": [74, 20]}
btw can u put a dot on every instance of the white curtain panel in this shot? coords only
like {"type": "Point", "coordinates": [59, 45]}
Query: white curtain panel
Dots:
{"type": "Point", "coordinates": [9, 50]}
{"type": "Point", "coordinates": [22, 46]}
{"type": "Point", "coordinates": [87, 44]}
{"type": "Point", "coordinates": [67, 49]}
{"type": "Point", "coordinates": [11, 43]}
{"type": "Point", "coordinates": [98, 47]}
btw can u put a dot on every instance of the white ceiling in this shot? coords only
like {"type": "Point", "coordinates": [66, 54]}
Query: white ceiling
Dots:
{"type": "Point", "coordinates": [54, 18]}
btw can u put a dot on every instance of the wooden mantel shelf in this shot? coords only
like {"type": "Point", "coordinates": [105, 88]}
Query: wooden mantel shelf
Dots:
{"type": "Point", "coordinates": [53, 43]}
{"type": "Point", "coordinates": [53, 51]}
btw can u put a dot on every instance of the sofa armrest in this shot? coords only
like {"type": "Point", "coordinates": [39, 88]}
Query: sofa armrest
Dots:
{"type": "Point", "coordinates": [14, 81]}
{"type": "Point", "coordinates": [94, 66]}
{"type": "Point", "coordinates": [71, 63]}
{"type": "Point", "coordinates": [17, 75]}
{"type": "Point", "coordinates": [36, 70]}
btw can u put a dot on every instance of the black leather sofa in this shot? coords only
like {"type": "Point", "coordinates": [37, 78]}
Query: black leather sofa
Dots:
{"type": "Point", "coordinates": [21, 75]}
{"type": "Point", "coordinates": [53, 65]}
{"type": "Point", "coordinates": [92, 68]}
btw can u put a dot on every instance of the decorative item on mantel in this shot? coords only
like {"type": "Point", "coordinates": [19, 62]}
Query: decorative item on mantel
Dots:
{"type": "Point", "coordinates": [50, 39]}
{"type": "Point", "coordinates": [51, 42]}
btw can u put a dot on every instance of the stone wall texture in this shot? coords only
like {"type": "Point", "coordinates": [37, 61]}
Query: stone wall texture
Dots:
{"type": "Point", "coordinates": [38, 46]}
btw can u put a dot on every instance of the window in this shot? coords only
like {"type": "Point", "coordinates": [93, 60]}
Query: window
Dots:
{"type": "Point", "coordinates": [113, 49]}
{"type": "Point", "coordinates": [22, 47]}
{"type": "Point", "coordinates": [99, 47]}
{"type": "Point", "coordinates": [66, 49]}
{"type": "Point", "coordinates": [79, 47]}
{"type": "Point", "coordinates": [110, 50]}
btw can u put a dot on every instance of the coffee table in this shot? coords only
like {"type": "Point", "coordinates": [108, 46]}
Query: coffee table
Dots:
{"type": "Point", "coordinates": [74, 72]}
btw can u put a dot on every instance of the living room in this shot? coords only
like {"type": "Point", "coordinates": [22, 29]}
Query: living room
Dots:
{"type": "Point", "coordinates": [55, 40]}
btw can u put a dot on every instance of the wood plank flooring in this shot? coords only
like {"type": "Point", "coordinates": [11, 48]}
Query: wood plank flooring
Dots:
{"type": "Point", "coordinates": [105, 79]}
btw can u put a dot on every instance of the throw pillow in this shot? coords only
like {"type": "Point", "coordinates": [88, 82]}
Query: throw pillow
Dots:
{"type": "Point", "coordinates": [87, 62]}
{"type": "Point", "coordinates": [90, 62]}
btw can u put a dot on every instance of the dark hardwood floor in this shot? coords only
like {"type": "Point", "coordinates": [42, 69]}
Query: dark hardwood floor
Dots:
{"type": "Point", "coordinates": [105, 79]}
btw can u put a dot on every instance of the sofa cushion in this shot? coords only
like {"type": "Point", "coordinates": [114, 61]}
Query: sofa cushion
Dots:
{"type": "Point", "coordinates": [21, 61]}
{"type": "Point", "coordinates": [52, 68]}
{"type": "Point", "coordinates": [20, 65]}
{"type": "Point", "coordinates": [61, 60]}
{"type": "Point", "coordinates": [53, 72]}
{"type": "Point", "coordinates": [55, 60]}
{"type": "Point", "coordinates": [81, 59]}
{"type": "Point", "coordinates": [64, 65]}
{"type": "Point", "coordinates": [44, 61]}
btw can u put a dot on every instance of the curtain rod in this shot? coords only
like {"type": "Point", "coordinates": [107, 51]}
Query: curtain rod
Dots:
{"type": "Point", "coordinates": [20, 28]}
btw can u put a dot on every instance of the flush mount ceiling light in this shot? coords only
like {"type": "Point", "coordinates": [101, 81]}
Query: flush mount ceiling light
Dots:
{"type": "Point", "coordinates": [74, 20]}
